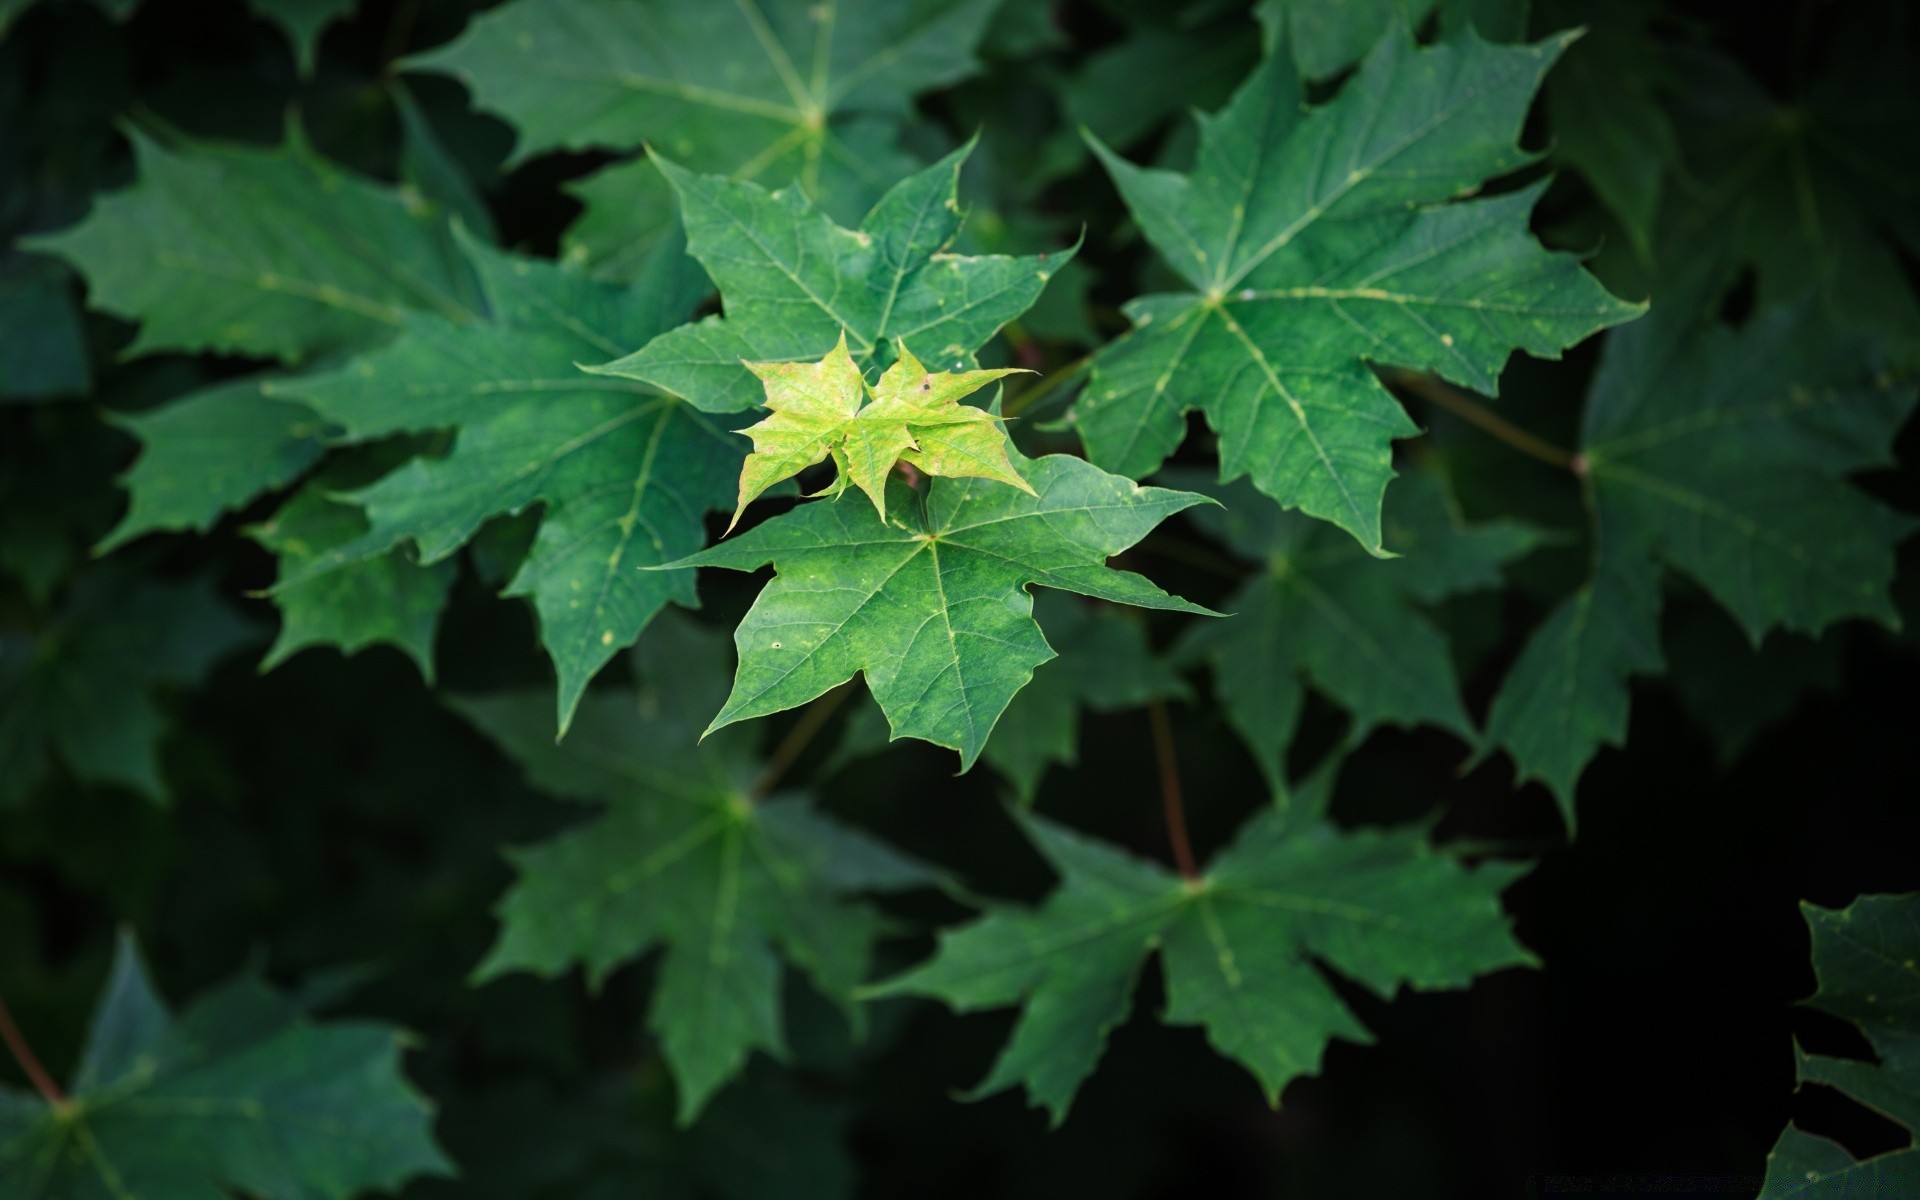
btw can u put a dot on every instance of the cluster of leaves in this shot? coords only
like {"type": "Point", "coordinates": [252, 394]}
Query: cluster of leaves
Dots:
{"type": "Point", "coordinates": [365, 375]}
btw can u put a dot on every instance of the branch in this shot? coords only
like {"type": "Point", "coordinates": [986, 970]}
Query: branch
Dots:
{"type": "Point", "coordinates": [29, 1064]}
{"type": "Point", "coordinates": [1461, 403]}
{"type": "Point", "coordinates": [1039, 391]}
{"type": "Point", "coordinates": [1175, 811]}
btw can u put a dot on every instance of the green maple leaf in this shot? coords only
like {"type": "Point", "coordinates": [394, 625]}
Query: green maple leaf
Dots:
{"type": "Point", "coordinates": [794, 283]}
{"type": "Point", "coordinates": [1318, 240]}
{"type": "Point", "coordinates": [931, 603]}
{"type": "Point", "coordinates": [1603, 105]}
{"type": "Point", "coordinates": [1238, 945]}
{"type": "Point", "coordinates": [275, 253]}
{"type": "Point", "coordinates": [685, 859]}
{"type": "Point", "coordinates": [624, 474]}
{"type": "Point", "coordinates": [211, 452]}
{"type": "Point", "coordinates": [911, 415]}
{"type": "Point", "coordinates": [1864, 956]}
{"type": "Point", "coordinates": [241, 1093]}
{"type": "Point", "coordinates": [1323, 610]}
{"type": "Point", "coordinates": [774, 91]}
{"type": "Point", "coordinates": [1724, 454]}
{"type": "Point", "coordinates": [1803, 189]}
{"type": "Point", "coordinates": [384, 599]}
{"type": "Point", "coordinates": [84, 688]}
{"type": "Point", "coordinates": [1104, 664]}
{"type": "Point", "coordinates": [1325, 36]}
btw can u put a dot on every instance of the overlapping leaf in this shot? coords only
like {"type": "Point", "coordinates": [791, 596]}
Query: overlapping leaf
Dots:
{"type": "Point", "coordinates": [85, 687]}
{"type": "Point", "coordinates": [387, 598]}
{"type": "Point", "coordinates": [794, 283]}
{"type": "Point", "coordinates": [1325, 36]}
{"type": "Point", "coordinates": [239, 1093]}
{"type": "Point", "coordinates": [1239, 946]}
{"type": "Point", "coordinates": [210, 452]}
{"type": "Point", "coordinates": [1319, 240]}
{"type": "Point", "coordinates": [826, 409]}
{"type": "Point", "coordinates": [1725, 454]}
{"type": "Point", "coordinates": [1805, 189]}
{"type": "Point", "coordinates": [1864, 956]}
{"type": "Point", "coordinates": [1104, 664]}
{"type": "Point", "coordinates": [687, 860]}
{"type": "Point", "coordinates": [276, 253]}
{"type": "Point", "coordinates": [1326, 612]}
{"type": "Point", "coordinates": [931, 603]}
{"type": "Point", "coordinates": [775, 91]}
{"type": "Point", "coordinates": [1604, 107]}
{"type": "Point", "coordinates": [624, 473]}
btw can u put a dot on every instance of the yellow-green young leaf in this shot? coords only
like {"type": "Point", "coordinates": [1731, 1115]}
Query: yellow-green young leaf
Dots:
{"type": "Point", "coordinates": [825, 408]}
{"type": "Point", "coordinates": [1318, 240]}
{"type": "Point", "coordinates": [931, 603]}
{"type": "Point", "coordinates": [1238, 946]}
{"type": "Point", "coordinates": [241, 1093]}
{"type": "Point", "coordinates": [685, 860]}
{"type": "Point", "coordinates": [1864, 956]}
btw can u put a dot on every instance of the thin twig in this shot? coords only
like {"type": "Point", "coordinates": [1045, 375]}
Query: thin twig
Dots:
{"type": "Point", "coordinates": [804, 730]}
{"type": "Point", "coordinates": [1460, 403]}
{"type": "Point", "coordinates": [1039, 391]}
{"type": "Point", "coordinates": [23, 1054]}
{"type": "Point", "coordinates": [1176, 812]}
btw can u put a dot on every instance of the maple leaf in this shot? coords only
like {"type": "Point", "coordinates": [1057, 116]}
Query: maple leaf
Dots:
{"type": "Point", "coordinates": [1318, 240]}
{"type": "Point", "coordinates": [826, 408]}
{"type": "Point", "coordinates": [1603, 103]}
{"type": "Point", "coordinates": [1325, 36]}
{"type": "Point", "coordinates": [210, 452]}
{"type": "Point", "coordinates": [1324, 610]}
{"type": "Point", "coordinates": [1864, 958]}
{"type": "Point", "coordinates": [1238, 945]}
{"type": "Point", "coordinates": [1724, 454]}
{"type": "Point", "coordinates": [240, 1093]}
{"type": "Point", "coordinates": [685, 858]}
{"type": "Point", "coordinates": [623, 473]}
{"type": "Point", "coordinates": [85, 687]}
{"type": "Point", "coordinates": [383, 599]}
{"type": "Point", "coordinates": [1803, 189]}
{"type": "Point", "coordinates": [794, 283]}
{"type": "Point", "coordinates": [773, 91]}
{"type": "Point", "coordinates": [932, 606]}
{"type": "Point", "coordinates": [267, 252]}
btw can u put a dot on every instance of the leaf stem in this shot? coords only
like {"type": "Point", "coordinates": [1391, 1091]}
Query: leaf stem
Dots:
{"type": "Point", "coordinates": [804, 730]}
{"type": "Point", "coordinates": [1461, 403]}
{"type": "Point", "coordinates": [29, 1064]}
{"type": "Point", "coordinates": [1039, 391]}
{"type": "Point", "coordinates": [1170, 802]}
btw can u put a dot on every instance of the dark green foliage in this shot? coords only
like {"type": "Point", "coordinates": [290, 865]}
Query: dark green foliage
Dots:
{"type": "Point", "coordinates": [1178, 408]}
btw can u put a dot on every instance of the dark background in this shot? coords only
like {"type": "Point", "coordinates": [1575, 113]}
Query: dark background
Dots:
{"type": "Point", "coordinates": [332, 813]}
